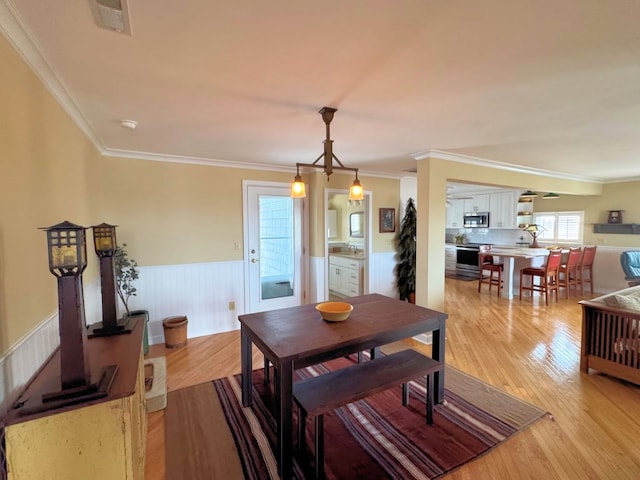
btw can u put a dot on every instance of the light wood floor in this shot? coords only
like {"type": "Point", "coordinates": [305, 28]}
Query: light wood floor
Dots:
{"type": "Point", "coordinates": [524, 348]}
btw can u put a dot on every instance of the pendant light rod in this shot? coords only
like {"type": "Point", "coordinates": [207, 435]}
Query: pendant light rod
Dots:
{"type": "Point", "coordinates": [356, 191]}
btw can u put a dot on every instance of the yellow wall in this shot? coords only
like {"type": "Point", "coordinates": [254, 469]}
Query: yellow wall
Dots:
{"type": "Point", "coordinates": [170, 213]}
{"type": "Point", "coordinates": [167, 213]}
{"type": "Point", "coordinates": [45, 172]}
{"type": "Point", "coordinates": [615, 196]}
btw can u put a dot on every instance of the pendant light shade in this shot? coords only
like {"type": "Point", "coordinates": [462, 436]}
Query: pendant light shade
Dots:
{"type": "Point", "coordinates": [550, 195]}
{"type": "Point", "coordinates": [356, 192]}
{"type": "Point", "coordinates": [297, 187]}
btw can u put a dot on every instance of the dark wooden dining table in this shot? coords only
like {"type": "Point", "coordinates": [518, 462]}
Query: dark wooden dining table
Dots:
{"type": "Point", "coordinates": [296, 337]}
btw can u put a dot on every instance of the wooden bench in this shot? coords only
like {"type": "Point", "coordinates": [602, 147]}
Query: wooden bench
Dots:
{"type": "Point", "coordinates": [317, 395]}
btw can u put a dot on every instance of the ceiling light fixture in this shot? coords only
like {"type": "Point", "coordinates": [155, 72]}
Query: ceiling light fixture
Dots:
{"type": "Point", "coordinates": [550, 195]}
{"type": "Point", "coordinates": [131, 124]}
{"type": "Point", "coordinates": [356, 191]}
{"type": "Point", "coordinates": [528, 194]}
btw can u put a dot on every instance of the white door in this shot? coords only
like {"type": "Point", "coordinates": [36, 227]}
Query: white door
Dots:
{"type": "Point", "coordinates": [273, 247]}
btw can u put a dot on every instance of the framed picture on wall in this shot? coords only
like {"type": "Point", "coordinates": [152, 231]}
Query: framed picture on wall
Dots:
{"type": "Point", "coordinates": [387, 220]}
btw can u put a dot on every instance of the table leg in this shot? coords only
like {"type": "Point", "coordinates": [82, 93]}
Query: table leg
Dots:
{"type": "Point", "coordinates": [437, 353]}
{"type": "Point", "coordinates": [284, 402]}
{"type": "Point", "coordinates": [246, 360]}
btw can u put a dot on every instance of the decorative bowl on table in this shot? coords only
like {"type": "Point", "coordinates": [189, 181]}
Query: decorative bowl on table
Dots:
{"type": "Point", "coordinates": [334, 311]}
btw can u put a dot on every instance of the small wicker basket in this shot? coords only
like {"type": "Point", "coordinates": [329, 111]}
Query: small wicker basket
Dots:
{"type": "Point", "coordinates": [175, 331]}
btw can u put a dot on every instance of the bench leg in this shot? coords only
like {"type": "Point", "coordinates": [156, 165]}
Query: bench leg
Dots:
{"type": "Point", "coordinates": [405, 394]}
{"type": "Point", "coordinates": [359, 357]}
{"type": "Point", "coordinates": [302, 437]}
{"type": "Point", "coordinates": [374, 353]}
{"type": "Point", "coordinates": [429, 399]}
{"type": "Point", "coordinates": [266, 370]}
{"type": "Point", "coordinates": [319, 440]}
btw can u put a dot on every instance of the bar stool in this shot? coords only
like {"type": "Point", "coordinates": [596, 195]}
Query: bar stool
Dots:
{"type": "Point", "coordinates": [548, 276]}
{"type": "Point", "coordinates": [486, 264]}
{"type": "Point", "coordinates": [585, 265]}
{"type": "Point", "coordinates": [568, 272]}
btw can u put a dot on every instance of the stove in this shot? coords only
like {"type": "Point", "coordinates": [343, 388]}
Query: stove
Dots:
{"type": "Point", "coordinates": [467, 261]}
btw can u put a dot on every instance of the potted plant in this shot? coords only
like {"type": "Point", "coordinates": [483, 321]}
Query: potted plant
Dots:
{"type": "Point", "coordinates": [405, 270]}
{"type": "Point", "coordinates": [126, 274]}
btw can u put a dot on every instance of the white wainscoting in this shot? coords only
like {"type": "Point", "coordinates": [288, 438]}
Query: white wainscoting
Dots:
{"type": "Point", "coordinates": [202, 293]}
{"type": "Point", "coordinates": [199, 291]}
{"type": "Point", "coordinates": [27, 355]}
{"type": "Point", "coordinates": [608, 275]}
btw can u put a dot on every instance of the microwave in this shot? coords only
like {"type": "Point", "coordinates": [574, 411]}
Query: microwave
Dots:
{"type": "Point", "coordinates": [476, 219]}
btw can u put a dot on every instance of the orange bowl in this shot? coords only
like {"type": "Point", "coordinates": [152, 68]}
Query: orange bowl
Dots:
{"type": "Point", "coordinates": [334, 311]}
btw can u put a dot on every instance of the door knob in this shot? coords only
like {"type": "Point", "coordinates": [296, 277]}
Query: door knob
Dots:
{"type": "Point", "coordinates": [254, 260]}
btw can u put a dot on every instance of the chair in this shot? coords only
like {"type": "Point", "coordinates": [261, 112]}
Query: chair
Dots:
{"type": "Point", "coordinates": [568, 272]}
{"type": "Point", "coordinates": [585, 265]}
{"type": "Point", "coordinates": [630, 262]}
{"type": "Point", "coordinates": [548, 276]}
{"type": "Point", "coordinates": [486, 264]}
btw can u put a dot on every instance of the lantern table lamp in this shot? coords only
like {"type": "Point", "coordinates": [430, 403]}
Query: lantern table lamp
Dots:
{"type": "Point", "coordinates": [104, 240]}
{"type": "Point", "coordinates": [67, 260]}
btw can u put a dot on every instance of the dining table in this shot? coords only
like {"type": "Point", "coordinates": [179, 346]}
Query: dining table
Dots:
{"type": "Point", "coordinates": [296, 337]}
{"type": "Point", "coordinates": [515, 259]}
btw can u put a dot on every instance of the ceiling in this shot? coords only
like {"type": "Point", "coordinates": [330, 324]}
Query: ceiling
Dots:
{"type": "Point", "coordinates": [551, 86]}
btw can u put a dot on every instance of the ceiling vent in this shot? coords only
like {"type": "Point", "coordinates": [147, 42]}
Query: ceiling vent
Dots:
{"type": "Point", "coordinates": [112, 15]}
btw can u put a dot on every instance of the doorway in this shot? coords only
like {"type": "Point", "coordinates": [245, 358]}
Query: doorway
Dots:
{"type": "Point", "coordinates": [348, 236]}
{"type": "Point", "coordinates": [273, 227]}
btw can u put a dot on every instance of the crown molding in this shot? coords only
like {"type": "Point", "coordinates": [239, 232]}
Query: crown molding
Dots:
{"type": "Point", "coordinates": [483, 162]}
{"type": "Point", "coordinates": [159, 157]}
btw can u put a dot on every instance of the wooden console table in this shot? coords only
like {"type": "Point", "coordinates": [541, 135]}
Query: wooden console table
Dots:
{"type": "Point", "coordinates": [100, 439]}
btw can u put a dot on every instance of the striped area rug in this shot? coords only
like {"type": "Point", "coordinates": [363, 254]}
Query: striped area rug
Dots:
{"type": "Point", "coordinates": [210, 435]}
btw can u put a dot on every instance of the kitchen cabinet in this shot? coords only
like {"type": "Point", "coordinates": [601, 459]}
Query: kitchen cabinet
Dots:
{"type": "Point", "coordinates": [479, 203]}
{"type": "Point", "coordinates": [450, 259]}
{"type": "Point", "coordinates": [102, 439]}
{"type": "Point", "coordinates": [503, 209]}
{"type": "Point", "coordinates": [455, 212]}
{"type": "Point", "coordinates": [345, 275]}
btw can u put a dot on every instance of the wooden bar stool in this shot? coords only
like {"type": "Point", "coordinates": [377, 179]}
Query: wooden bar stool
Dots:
{"type": "Point", "coordinates": [548, 276]}
{"type": "Point", "coordinates": [568, 272]}
{"type": "Point", "coordinates": [486, 264]}
{"type": "Point", "coordinates": [585, 265]}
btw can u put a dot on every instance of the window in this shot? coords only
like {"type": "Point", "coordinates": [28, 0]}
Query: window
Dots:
{"type": "Point", "coordinates": [560, 227]}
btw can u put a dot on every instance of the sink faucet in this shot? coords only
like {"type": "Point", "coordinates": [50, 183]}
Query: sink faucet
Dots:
{"type": "Point", "coordinates": [355, 249]}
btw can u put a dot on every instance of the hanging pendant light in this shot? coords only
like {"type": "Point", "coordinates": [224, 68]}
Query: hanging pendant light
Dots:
{"type": "Point", "coordinates": [297, 187]}
{"type": "Point", "coordinates": [356, 191]}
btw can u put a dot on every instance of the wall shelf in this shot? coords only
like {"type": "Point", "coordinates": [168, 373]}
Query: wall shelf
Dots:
{"type": "Point", "coordinates": [620, 228]}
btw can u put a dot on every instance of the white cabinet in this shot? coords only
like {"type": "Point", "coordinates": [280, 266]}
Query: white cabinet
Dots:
{"type": "Point", "coordinates": [455, 213]}
{"type": "Point", "coordinates": [450, 258]}
{"type": "Point", "coordinates": [479, 203]}
{"type": "Point", "coordinates": [345, 275]}
{"type": "Point", "coordinates": [502, 209]}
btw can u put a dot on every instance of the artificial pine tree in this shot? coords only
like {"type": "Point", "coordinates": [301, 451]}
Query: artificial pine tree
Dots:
{"type": "Point", "coordinates": [405, 270]}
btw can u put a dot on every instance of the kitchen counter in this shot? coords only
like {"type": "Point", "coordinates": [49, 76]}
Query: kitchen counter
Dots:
{"type": "Point", "coordinates": [356, 256]}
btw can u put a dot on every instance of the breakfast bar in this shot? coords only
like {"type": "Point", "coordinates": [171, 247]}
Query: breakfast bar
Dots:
{"type": "Point", "coordinates": [514, 259]}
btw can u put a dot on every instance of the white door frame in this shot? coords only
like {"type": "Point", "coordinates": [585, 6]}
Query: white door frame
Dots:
{"type": "Point", "coordinates": [368, 195]}
{"type": "Point", "coordinates": [304, 260]}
